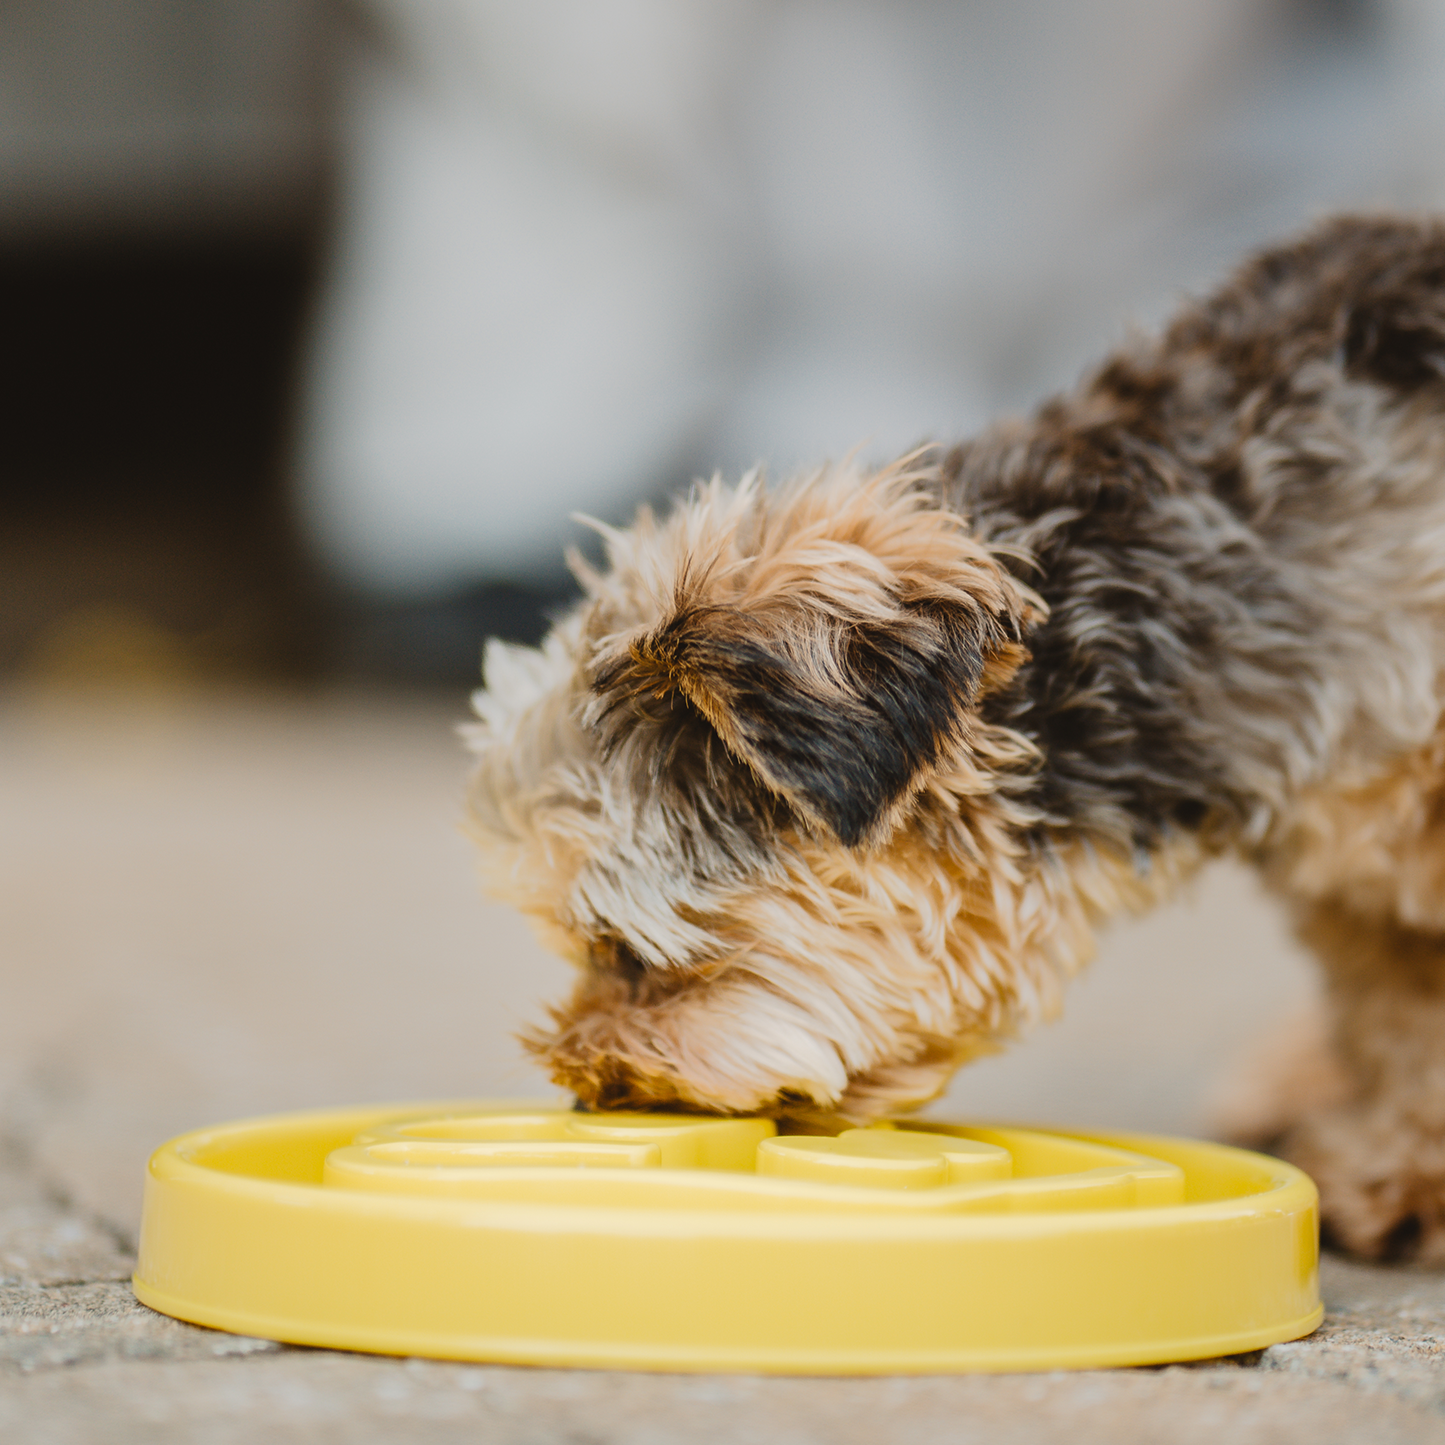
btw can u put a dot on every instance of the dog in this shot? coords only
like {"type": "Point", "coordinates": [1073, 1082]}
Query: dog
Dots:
{"type": "Point", "coordinates": [825, 789]}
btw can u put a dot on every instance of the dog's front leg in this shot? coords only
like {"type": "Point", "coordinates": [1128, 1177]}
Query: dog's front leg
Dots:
{"type": "Point", "coordinates": [1379, 1158]}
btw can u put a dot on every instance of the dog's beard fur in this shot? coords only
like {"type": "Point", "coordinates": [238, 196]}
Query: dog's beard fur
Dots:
{"type": "Point", "coordinates": [747, 789]}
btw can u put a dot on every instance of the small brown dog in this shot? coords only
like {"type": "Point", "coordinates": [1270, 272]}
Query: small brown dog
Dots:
{"type": "Point", "coordinates": [825, 790]}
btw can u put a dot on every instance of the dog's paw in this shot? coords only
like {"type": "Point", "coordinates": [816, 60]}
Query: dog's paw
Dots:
{"type": "Point", "coordinates": [1381, 1177]}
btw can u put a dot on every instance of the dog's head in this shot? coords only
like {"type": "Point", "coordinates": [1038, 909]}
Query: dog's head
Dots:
{"type": "Point", "coordinates": [746, 788]}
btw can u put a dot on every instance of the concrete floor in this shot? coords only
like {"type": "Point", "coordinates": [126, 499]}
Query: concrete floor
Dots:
{"type": "Point", "coordinates": [214, 905]}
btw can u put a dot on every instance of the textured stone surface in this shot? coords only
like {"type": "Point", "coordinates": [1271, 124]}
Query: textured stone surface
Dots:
{"type": "Point", "coordinates": [1384, 1334]}
{"type": "Point", "coordinates": [46, 1245]}
{"type": "Point", "coordinates": [47, 1326]}
{"type": "Point", "coordinates": [215, 906]}
{"type": "Point", "coordinates": [295, 1395]}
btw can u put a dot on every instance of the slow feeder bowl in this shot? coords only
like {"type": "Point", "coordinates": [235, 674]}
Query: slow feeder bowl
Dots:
{"type": "Point", "coordinates": [529, 1234]}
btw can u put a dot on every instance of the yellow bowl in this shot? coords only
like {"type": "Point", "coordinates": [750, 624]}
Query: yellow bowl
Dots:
{"type": "Point", "coordinates": [529, 1234]}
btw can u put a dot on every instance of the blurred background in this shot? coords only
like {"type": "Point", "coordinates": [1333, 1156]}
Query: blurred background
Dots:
{"type": "Point", "coordinates": [324, 316]}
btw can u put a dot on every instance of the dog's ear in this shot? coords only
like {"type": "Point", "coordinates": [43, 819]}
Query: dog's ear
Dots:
{"type": "Point", "coordinates": [840, 673]}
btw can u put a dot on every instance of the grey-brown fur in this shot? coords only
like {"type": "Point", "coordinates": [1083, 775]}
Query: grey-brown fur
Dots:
{"type": "Point", "coordinates": [1187, 514]}
{"type": "Point", "coordinates": [825, 791]}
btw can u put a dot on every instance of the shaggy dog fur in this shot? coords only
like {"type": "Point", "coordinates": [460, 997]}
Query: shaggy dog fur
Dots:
{"type": "Point", "coordinates": [826, 789]}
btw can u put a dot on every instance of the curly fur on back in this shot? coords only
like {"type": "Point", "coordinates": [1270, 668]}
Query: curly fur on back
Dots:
{"type": "Point", "coordinates": [824, 789]}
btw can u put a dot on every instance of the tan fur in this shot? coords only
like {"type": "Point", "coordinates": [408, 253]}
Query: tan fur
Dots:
{"type": "Point", "coordinates": [1379, 1156]}
{"type": "Point", "coordinates": [1376, 848]}
{"type": "Point", "coordinates": [798, 571]}
{"type": "Point", "coordinates": [1364, 868]}
{"type": "Point", "coordinates": [856, 983]}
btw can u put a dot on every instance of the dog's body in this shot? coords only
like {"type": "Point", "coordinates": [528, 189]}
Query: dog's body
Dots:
{"type": "Point", "coordinates": [826, 790]}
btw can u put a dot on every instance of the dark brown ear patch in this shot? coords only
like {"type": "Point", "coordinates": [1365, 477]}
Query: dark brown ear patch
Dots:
{"type": "Point", "coordinates": [839, 718]}
{"type": "Point", "coordinates": [848, 756]}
